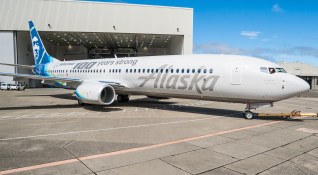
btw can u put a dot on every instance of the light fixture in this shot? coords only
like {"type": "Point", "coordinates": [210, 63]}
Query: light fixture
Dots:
{"type": "Point", "coordinates": [114, 27]}
{"type": "Point", "coordinates": [49, 26]}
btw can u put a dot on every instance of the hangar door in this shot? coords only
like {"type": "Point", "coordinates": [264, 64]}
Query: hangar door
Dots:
{"type": "Point", "coordinates": [7, 50]}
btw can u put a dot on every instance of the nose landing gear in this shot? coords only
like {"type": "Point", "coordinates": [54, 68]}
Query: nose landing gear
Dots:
{"type": "Point", "coordinates": [248, 115]}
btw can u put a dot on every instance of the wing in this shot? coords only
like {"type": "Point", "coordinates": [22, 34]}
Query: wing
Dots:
{"type": "Point", "coordinates": [74, 81]}
{"type": "Point", "coordinates": [39, 77]}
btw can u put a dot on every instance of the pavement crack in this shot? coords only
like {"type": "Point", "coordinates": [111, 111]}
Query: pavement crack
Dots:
{"type": "Point", "coordinates": [64, 146]}
{"type": "Point", "coordinates": [295, 165]}
{"type": "Point", "coordinates": [175, 166]}
{"type": "Point", "coordinates": [287, 160]}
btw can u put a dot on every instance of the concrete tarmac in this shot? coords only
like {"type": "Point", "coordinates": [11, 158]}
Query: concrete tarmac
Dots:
{"type": "Point", "coordinates": [44, 131]}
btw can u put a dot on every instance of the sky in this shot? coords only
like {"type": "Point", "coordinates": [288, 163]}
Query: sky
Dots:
{"type": "Point", "coordinates": [276, 30]}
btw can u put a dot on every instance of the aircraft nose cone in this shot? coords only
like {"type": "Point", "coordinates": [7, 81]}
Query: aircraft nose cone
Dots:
{"type": "Point", "coordinates": [301, 85]}
{"type": "Point", "coordinates": [304, 86]}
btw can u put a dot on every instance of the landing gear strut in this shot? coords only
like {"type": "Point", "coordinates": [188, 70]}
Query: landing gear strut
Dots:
{"type": "Point", "coordinates": [81, 103]}
{"type": "Point", "coordinates": [122, 98]}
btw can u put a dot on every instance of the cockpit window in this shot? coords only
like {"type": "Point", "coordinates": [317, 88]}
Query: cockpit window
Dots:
{"type": "Point", "coordinates": [264, 69]}
{"type": "Point", "coordinates": [271, 70]}
{"type": "Point", "coordinates": [280, 70]}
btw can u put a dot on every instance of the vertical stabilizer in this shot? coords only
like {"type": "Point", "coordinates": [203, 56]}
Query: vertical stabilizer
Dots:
{"type": "Point", "coordinates": [39, 52]}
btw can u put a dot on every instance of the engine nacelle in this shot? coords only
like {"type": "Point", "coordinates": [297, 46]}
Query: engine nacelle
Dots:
{"type": "Point", "coordinates": [95, 93]}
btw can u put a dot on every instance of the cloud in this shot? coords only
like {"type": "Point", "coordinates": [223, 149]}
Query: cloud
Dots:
{"type": "Point", "coordinates": [271, 54]}
{"type": "Point", "coordinates": [277, 9]}
{"type": "Point", "coordinates": [217, 48]}
{"type": "Point", "coordinates": [250, 34]}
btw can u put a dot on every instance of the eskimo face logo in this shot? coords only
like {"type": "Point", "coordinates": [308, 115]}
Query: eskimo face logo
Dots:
{"type": "Point", "coordinates": [36, 47]}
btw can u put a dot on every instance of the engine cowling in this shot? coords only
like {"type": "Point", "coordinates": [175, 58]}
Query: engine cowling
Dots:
{"type": "Point", "coordinates": [95, 93]}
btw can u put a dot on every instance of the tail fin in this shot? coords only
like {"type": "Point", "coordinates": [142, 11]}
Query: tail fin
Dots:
{"type": "Point", "coordinates": [39, 52]}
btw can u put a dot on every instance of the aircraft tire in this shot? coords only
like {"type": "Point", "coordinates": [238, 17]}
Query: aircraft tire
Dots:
{"type": "Point", "coordinates": [248, 115]}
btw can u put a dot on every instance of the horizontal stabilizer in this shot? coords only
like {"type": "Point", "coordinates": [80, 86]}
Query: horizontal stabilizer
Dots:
{"type": "Point", "coordinates": [18, 65]}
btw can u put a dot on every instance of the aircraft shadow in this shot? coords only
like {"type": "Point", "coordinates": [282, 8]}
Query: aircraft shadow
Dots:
{"type": "Point", "coordinates": [59, 96]}
{"type": "Point", "coordinates": [172, 106]}
{"type": "Point", "coordinates": [148, 103]}
{"type": "Point", "coordinates": [66, 106]}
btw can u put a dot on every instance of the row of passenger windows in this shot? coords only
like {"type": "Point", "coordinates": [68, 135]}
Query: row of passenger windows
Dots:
{"type": "Point", "coordinates": [137, 71]}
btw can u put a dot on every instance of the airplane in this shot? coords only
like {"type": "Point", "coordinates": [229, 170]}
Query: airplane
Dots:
{"type": "Point", "coordinates": [216, 77]}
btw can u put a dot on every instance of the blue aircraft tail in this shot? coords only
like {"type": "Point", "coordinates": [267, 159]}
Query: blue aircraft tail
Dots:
{"type": "Point", "coordinates": [39, 52]}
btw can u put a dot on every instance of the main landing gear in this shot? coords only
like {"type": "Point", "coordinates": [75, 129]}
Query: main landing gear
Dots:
{"type": "Point", "coordinates": [81, 103]}
{"type": "Point", "coordinates": [122, 98]}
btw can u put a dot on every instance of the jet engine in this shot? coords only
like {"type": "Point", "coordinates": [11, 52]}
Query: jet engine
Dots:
{"type": "Point", "coordinates": [95, 93]}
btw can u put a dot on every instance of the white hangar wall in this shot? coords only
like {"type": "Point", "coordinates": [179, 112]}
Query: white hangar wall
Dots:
{"type": "Point", "coordinates": [67, 16]}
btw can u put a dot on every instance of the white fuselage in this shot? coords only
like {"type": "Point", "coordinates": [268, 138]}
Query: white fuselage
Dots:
{"type": "Point", "coordinates": [230, 78]}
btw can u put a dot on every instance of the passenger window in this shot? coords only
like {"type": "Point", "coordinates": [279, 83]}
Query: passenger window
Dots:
{"type": "Point", "coordinates": [188, 70]}
{"type": "Point", "coordinates": [157, 70]}
{"type": "Point", "coordinates": [148, 70]}
{"type": "Point", "coordinates": [110, 70]}
{"type": "Point", "coordinates": [130, 71]}
{"type": "Point", "coordinates": [182, 71]}
{"type": "Point", "coordinates": [143, 71]}
{"type": "Point", "coordinates": [167, 70]}
{"type": "Point", "coordinates": [199, 70]}
{"type": "Point", "coordinates": [193, 70]}
{"type": "Point", "coordinates": [152, 70]}
{"type": "Point", "coordinates": [139, 70]}
{"type": "Point", "coordinates": [126, 70]}
{"type": "Point", "coordinates": [271, 70]}
{"type": "Point", "coordinates": [161, 71]}
{"type": "Point", "coordinates": [177, 70]}
{"type": "Point", "coordinates": [264, 69]}
{"type": "Point", "coordinates": [211, 71]}
{"type": "Point", "coordinates": [119, 70]}
{"type": "Point", "coordinates": [171, 70]}
{"type": "Point", "coordinates": [135, 70]}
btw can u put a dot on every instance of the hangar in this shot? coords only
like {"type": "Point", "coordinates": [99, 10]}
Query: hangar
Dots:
{"type": "Point", "coordinates": [88, 30]}
{"type": "Point", "coordinates": [305, 71]}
